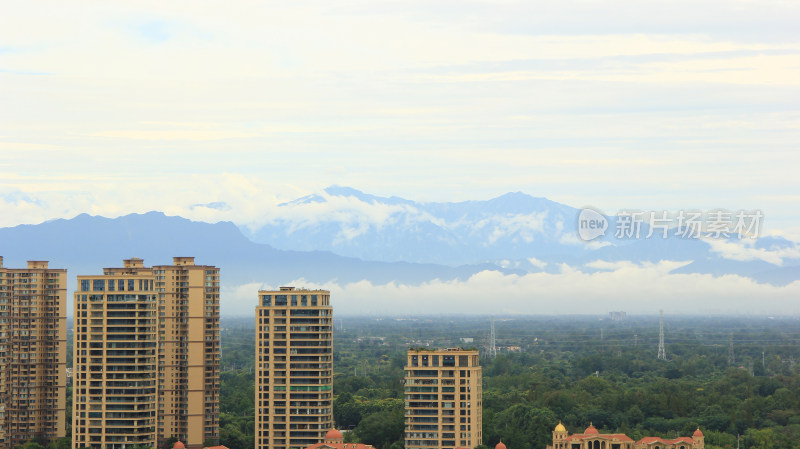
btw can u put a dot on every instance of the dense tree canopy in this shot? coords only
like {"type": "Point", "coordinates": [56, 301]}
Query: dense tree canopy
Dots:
{"type": "Point", "coordinates": [575, 370]}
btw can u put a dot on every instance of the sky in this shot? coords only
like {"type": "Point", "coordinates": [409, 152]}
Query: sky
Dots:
{"type": "Point", "coordinates": [117, 107]}
{"type": "Point", "coordinates": [110, 108]}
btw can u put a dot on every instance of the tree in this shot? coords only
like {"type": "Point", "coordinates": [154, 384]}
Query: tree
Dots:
{"type": "Point", "coordinates": [381, 429]}
{"type": "Point", "coordinates": [233, 438]}
{"type": "Point", "coordinates": [760, 439]}
{"type": "Point", "coordinates": [522, 426]}
{"type": "Point", "coordinates": [169, 442]}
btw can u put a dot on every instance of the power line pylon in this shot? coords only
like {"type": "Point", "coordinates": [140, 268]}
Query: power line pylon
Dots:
{"type": "Point", "coordinates": [662, 352]}
{"type": "Point", "coordinates": [492, 342]}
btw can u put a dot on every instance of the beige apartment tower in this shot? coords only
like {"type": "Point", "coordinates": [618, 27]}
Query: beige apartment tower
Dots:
{"type": "Point", "coordinates": [186, 351]}
{"type": "Point", "coordinates": [443, 399]}
{"type": "Point", "coordinates": [294, 368]}
{"type": "Point", "coordinates": [115, 392]}
{"type": "Point", "coordinates": [33, 353]}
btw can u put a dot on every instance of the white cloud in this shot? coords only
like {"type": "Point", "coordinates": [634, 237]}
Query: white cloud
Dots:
{"type": "Point", "coordinates": [537, 263]}
{"type": "Point", "coordinates": [354, 215]}
{"type": "Point", "coordinates": [526, 226]}
{"type": "Point", "coordinates": [744, 250]}
{"type": "Point", "coordinates": [443, 101]}
{"type": "Point", "coordinates": [635, 288]}
{"type": "Point", "coordinates": [176, 134]}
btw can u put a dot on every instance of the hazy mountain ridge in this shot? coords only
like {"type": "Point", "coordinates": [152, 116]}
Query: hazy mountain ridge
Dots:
{"type": "Point", "coordinates": [344, 235]}
{"type": "Point", "coordinates": [85, 244]}
{"type": "Point", "coordinates": [352, 223]}
{"type": "Point", "coordinates": [515, 231]}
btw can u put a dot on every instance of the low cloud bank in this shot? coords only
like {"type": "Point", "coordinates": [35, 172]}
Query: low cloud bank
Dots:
{"type": "Point", "coordinates": [636, 288]}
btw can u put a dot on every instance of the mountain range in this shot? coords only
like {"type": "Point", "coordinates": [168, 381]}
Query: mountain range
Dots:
{"type": "Point", "coordinates": [514, 230]}
{"type": "Point", "coordinates": [344, 235]}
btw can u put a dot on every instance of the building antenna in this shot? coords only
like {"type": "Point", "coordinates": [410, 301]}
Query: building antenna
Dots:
{"type": "Point", "coordinates": [731, 358]}
{"type": "Point", "coordinates": [662, 353]}
{"type": "Point", "coordinates": [492, 342]}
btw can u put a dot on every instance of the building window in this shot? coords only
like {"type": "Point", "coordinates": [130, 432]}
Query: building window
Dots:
{"type": "Point", "coordinates": [266, 300]}
{"type": "Point", "coordinates": [98, 285]}
{"type": "Point", "coordinates": [85, 285]}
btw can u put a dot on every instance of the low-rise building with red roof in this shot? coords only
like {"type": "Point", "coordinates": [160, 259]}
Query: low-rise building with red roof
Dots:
{"type": "Point", "coordinates": [591, 438]}
{"type": "Point", "coordinates": [335, 440]}
{"type": "Point", "coordinates": [180, 445]}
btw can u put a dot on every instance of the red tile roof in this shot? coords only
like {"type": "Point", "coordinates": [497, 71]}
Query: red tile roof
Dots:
{"type": "Point", "coordinates": [606, 436]}
{"type": "Point", "coordinates": [340, 446]}
{"type": "Point", "coordinates": [333, 434]}
{"type": "Point", "coordinates": [651, 440]}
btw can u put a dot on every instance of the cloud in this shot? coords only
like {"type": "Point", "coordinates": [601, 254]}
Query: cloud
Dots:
{"type": "Point", "coordinates": [216, 205]}
{"type": "Point", "coordinates": [442, 101]}
{"type": "Point", "coordinates": [248, 201]}
{"type": "Point", "coordinates": [635, 288]}
{"type": "Point", "coordinates": [356, 216]}
{"type": "Point", "coordinates": [537, 263]}
{"type": "Point", "coordinates": [176, 134]}
{"type": "Point", "coordinates": [744, 250]}
{"type": "Point", "coordinates": [526, 226]}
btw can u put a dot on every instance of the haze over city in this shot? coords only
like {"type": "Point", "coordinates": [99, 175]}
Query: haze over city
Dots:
{"type": "Point", "coordinates": [249, 113]}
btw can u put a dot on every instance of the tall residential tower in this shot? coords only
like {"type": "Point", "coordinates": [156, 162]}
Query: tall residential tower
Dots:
{"type": "Point", "coordinates": [294, 368]}
{"type": "Point", "coordinates": [186, 346]}
{"type": "Point", "coordinates": [188, 351]}
{"type": "Point", "coordinates": [443, 399]}
{"type": "Point", "coordinates": [115, 369]}
{"type": "Point", "coordinates": [33, 353]}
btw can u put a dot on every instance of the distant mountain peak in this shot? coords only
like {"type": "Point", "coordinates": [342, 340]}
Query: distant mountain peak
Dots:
{"type": "Point", "coordinates": [336, 190]}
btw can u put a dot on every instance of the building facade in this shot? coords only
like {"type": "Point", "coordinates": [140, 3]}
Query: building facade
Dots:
{"type": "Point", "coordinates": [443, 399]}
{"type": "Point", "coordinates": [591, 438]}
{"type": "Point", "coordinates": [187, 351]}
{"type": "Point", "coordinates": [115, 392]}
{"type": "Point", "coordinates": [294, 368]}
{"type": "Point", "coordinates": [33, 353]}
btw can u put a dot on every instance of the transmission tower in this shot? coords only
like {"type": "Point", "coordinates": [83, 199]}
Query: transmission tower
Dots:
{"type": "Point", "coordinates": [602, 341]}
{"type": "Point", "coordinates": [662, 352]}
{"type": "Point", "coordinates": [492, 341]}
{"type": "Point", "coordinates": [731, 358]}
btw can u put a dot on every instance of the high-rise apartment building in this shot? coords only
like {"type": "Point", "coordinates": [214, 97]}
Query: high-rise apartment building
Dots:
{"type": "Point", "coordinates": [115, 392]}
{"type": "Point", "coordinates": [187, 351]}
{"type": "Point", "coordinates": [33, 353]}
{"type": "Point", "coordinates": [443, 399]}
{"type": "Point", "coordinates": [294, 368]}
